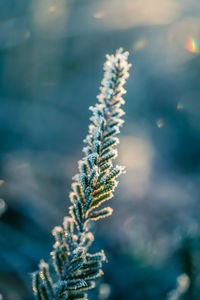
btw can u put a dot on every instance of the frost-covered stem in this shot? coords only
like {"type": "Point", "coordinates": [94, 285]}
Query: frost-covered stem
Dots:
{"type": "Point", "coordinates": [76, 269]}
{"type": "Point", "coordinates": [96, 167]}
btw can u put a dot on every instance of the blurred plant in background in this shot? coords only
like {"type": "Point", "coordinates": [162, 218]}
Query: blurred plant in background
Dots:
{"type": "Point", "coordinates": [188, 256]}
{"type": "Point", "coordinates": [183, 283]}
{"type": "Point", "coordinates": [3, 207]}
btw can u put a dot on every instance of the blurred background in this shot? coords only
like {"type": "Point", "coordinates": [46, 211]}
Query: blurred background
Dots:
{"type": "Point", "coordinates": [51, 58]}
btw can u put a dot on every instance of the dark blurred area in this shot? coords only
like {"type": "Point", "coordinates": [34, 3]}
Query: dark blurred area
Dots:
{"type": "Point", "coordinates": [51, 58]}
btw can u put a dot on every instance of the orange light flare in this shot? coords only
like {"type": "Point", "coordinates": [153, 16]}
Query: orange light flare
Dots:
{"type": "Point", "coordinates": [193, 45]}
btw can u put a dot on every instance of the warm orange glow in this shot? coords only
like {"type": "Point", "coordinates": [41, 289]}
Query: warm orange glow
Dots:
{"type": "Point", "coordinates": [52, 8]}
{"type": "Point", "coordinates": [179, 106]}
{"type": "Point", "coordinates": [1, 181]}
{"type": "Point", "coordinates": [99, 15]}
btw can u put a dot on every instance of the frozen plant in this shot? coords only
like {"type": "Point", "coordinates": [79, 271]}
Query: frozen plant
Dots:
{"type": "Point", "coordinates": [183, 283]}
{"type": "Point", "coordinates": [74, 269]}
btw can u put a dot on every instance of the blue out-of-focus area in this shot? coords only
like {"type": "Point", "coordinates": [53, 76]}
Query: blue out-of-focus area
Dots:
{"type": "Point", "coordinates": [51, 57]}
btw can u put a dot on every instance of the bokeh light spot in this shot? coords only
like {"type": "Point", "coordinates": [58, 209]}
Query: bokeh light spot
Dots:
{"type": "Point", "coordinates": [160, 123]}
{"type": "Point", "coordinates": [3, 206]}
{"type": "Point", "coordinates": [27, 34]}
{"type": "Point", "coordinates": [180, 106]}
{"type": "Point", "coordinates": [136, 154]}
{"type": "Point", "coordinates": [2, 181]}
{"type": "Point", "coordinates": [52, 8]}
{"type": "Point", "coordinates": [99, 15]}
{"type": "Point", "coordinates": [50, 20]}
{"type": "Point", "coordinates": [139, 44]}
{"type": "Point", "coordinates": [104, 291]}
